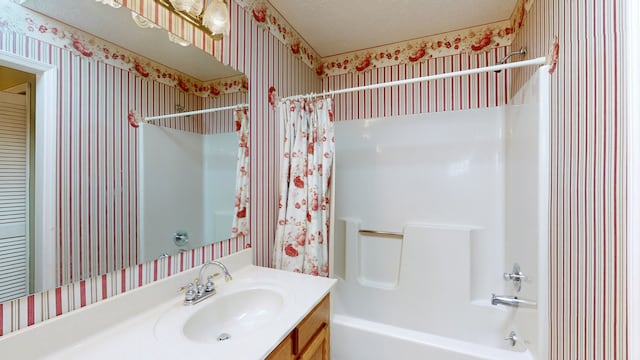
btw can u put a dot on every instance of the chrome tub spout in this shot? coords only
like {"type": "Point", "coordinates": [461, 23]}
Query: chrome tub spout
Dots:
{"type": "Point", "coordinates": [510, 300]}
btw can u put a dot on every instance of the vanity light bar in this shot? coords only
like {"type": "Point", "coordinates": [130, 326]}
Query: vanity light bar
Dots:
{"type": "Point", "coordinates": [192, 19]}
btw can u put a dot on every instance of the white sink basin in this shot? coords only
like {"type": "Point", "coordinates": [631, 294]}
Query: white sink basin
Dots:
{"type": "Point", "coordinates": [237, 309]}
{"type": "Point", "coordinates": [232, 315]}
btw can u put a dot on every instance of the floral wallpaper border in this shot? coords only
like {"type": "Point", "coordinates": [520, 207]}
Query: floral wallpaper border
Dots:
{"type": "Point", "coordinates": [471, 40]}
{"type": "Point", "coordinates": [84, 44]}
{"type": "Point", "coordinates": [265, 15]}
{"type": "Point", "coordinates": [476, 39]}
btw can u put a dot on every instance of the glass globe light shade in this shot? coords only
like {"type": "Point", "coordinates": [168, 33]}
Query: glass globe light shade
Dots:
{"type": "Point", "coordinates": [196, 8]}
{"type": "Point", "coordinates": [111, 3]}
{"type": "Point", "coordinates": [216, 17]}
{"type": "Point", "coordinates": [183, 5]}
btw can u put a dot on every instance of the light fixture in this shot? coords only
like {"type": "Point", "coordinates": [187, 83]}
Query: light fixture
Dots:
{"type": "Point", "coordinates": [214, 20]}
{"type": "Point", "coordinates": [143, 22]}
{"type": "Point", "coordinates": [178, 40]}
{"type": "Point", "coordinates": [216, 17]}
{"type": "Point", "coordinates": [111, 3]}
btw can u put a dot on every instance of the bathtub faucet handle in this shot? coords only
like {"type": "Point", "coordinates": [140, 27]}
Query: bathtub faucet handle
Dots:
{"type": "Point", "coordinates": [516, 276]}
{"type": "Point", "coordinates": [512, 337]}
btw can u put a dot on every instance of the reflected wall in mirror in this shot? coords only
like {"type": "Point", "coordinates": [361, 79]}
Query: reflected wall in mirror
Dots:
{"type": "Point", "coordinates": [105, 67]}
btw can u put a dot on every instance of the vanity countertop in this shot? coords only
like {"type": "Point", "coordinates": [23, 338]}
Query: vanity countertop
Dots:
{"type": "Point", "coordinates": [146, 323]}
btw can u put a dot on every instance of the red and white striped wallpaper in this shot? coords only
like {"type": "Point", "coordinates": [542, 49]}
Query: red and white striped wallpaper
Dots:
{"type": "Point", "coordinates": [266, 61]}
{"type": "Point", "coordinates": [461, 93]}
{"type": "Point", "coordinates": [588, 208]}
{"type": "Point", "coordinates": [588, 242]}
{"type": "Point", "coordinates": [221, 121]}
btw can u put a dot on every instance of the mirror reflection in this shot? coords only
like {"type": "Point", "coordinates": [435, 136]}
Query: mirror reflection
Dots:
{"type": "Point", "coordinates": [126, 193]}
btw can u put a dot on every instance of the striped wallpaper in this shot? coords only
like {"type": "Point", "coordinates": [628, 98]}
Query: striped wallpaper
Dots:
{"type": "Point", "coordinates": [85, 164]}
{"type": "Point", "coordinates": [461, 93]}
{"type": "Point", "coordinates": [266, 61]}
{"type": "Point", "coordinates": [221, 121]}
{"type": "Point", "coordinates": [588, 243]}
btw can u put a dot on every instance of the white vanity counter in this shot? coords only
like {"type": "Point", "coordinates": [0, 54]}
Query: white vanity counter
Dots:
{"type": "Point", "coordinates": [148, 323]}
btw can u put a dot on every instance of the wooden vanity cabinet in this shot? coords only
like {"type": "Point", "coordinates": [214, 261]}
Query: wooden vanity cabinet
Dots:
{"type": "Point", "coordinates": [309, 340]}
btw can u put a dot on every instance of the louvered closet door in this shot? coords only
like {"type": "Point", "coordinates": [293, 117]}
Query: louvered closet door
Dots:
{"type": "Point", "coordinates": [14, 244]}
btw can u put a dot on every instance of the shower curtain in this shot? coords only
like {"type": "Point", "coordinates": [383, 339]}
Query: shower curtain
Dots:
{"type": "Point", "coordinates": [306, 160]}
{"type": "Point", "coordinates": [240, 219]}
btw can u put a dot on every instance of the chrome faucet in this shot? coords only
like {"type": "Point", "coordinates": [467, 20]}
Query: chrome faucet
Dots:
{"type": "Point", "coordinates": [227, 275]}
{"type": "Point", "coordinates": [510, 301]}
{"type": "Point", "coordinates": [197, 292]}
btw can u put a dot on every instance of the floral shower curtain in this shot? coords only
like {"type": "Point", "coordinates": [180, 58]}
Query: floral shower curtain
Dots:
{"type": "Point", "coordinates": [306, 159]}
{"type": "Point", "coordinates": [240, 219]}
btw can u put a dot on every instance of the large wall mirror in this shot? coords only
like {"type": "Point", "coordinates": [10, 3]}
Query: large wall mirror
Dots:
{"type": "Point", "coordinates": [126, 192]}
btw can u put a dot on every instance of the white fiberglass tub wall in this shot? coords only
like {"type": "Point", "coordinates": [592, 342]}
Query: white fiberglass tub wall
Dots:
{"type": "Point", "coordinates": [527, 207]}
{"type": "Point", "coordinates": [170, 179]}
{"type": "Point", "coordinates": [187, 183]}
{"type": "Point", "coordinates": [440, 180]}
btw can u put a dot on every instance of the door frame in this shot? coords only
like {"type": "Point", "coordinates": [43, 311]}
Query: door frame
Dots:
{"type": "Point", "coordinates": [45, 164]}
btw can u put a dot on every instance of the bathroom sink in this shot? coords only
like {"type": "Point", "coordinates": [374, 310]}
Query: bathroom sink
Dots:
{"type": "Point", "coordinates": [222, 317]}
{"type": "Point", "coordinates": [232, 315]}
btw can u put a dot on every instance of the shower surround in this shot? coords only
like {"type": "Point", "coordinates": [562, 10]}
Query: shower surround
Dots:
{"type": "Point", "coordinates": [449, 183]}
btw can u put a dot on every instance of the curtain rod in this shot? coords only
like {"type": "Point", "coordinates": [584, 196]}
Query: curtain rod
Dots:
{"type": "Point", "coordinates": [536, 61]}
{"type": "Point", "coordinates": [195, 112]}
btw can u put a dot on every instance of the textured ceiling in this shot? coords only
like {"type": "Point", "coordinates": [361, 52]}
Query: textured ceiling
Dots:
{"type": "Point", "coordinates": [333, 27]}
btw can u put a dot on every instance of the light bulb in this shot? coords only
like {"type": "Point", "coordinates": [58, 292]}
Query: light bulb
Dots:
{"type": "Point", "coordinates": [196, 8]}
{"type": "Point", "coordinates": [216, 17]}
{"type": "Point", "coordinates": [182, 5]}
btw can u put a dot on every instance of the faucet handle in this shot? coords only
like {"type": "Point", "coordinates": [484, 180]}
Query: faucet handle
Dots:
{"type": "Point", "coordinates": [513, 338]}
{"type": "Point", "coordinates": [190, 294]}
{"type": "Point", "coordinates": [210, 285]}
{"type": "Point", "coordinates": [200, 289]}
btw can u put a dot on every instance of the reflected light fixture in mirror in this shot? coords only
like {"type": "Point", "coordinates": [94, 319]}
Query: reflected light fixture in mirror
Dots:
{"type": "Point", "coordinates": [216, 17]}
{"type": "Point", "coordinates": [111, 3]}
{"type": "Point", "coordinates": [145, 23]}
{"type": "Point", "coordinates": [210, 16]}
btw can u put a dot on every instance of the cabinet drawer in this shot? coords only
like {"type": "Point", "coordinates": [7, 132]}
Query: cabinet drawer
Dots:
{"type": "Point", "coordinates": [313, 323]}
{"type": "Point", "coordinates": [318, 348]}
{"type": "Point", "coordinates": [284, 351]}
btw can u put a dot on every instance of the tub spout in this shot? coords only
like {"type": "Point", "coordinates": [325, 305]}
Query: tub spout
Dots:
{"type": "Point", "coordinates": [510, 301]}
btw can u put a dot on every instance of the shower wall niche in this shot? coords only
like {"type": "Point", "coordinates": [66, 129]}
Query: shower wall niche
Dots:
{"type": "Point", "coordinates": [187, 184]}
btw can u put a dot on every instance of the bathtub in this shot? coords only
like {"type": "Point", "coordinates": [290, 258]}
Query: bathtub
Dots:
{"type": "Point", "coordinates": [354, 339]}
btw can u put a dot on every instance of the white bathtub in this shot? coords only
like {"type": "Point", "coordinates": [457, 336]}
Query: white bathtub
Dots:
{"type": "Point", "coordinates": [354, 339]}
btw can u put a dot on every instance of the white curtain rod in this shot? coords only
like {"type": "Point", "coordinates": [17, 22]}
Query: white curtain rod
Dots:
{"type": "Point", "coordinates": [195, 112]}
{"type": "Point", "coordinates": [536, 61]}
